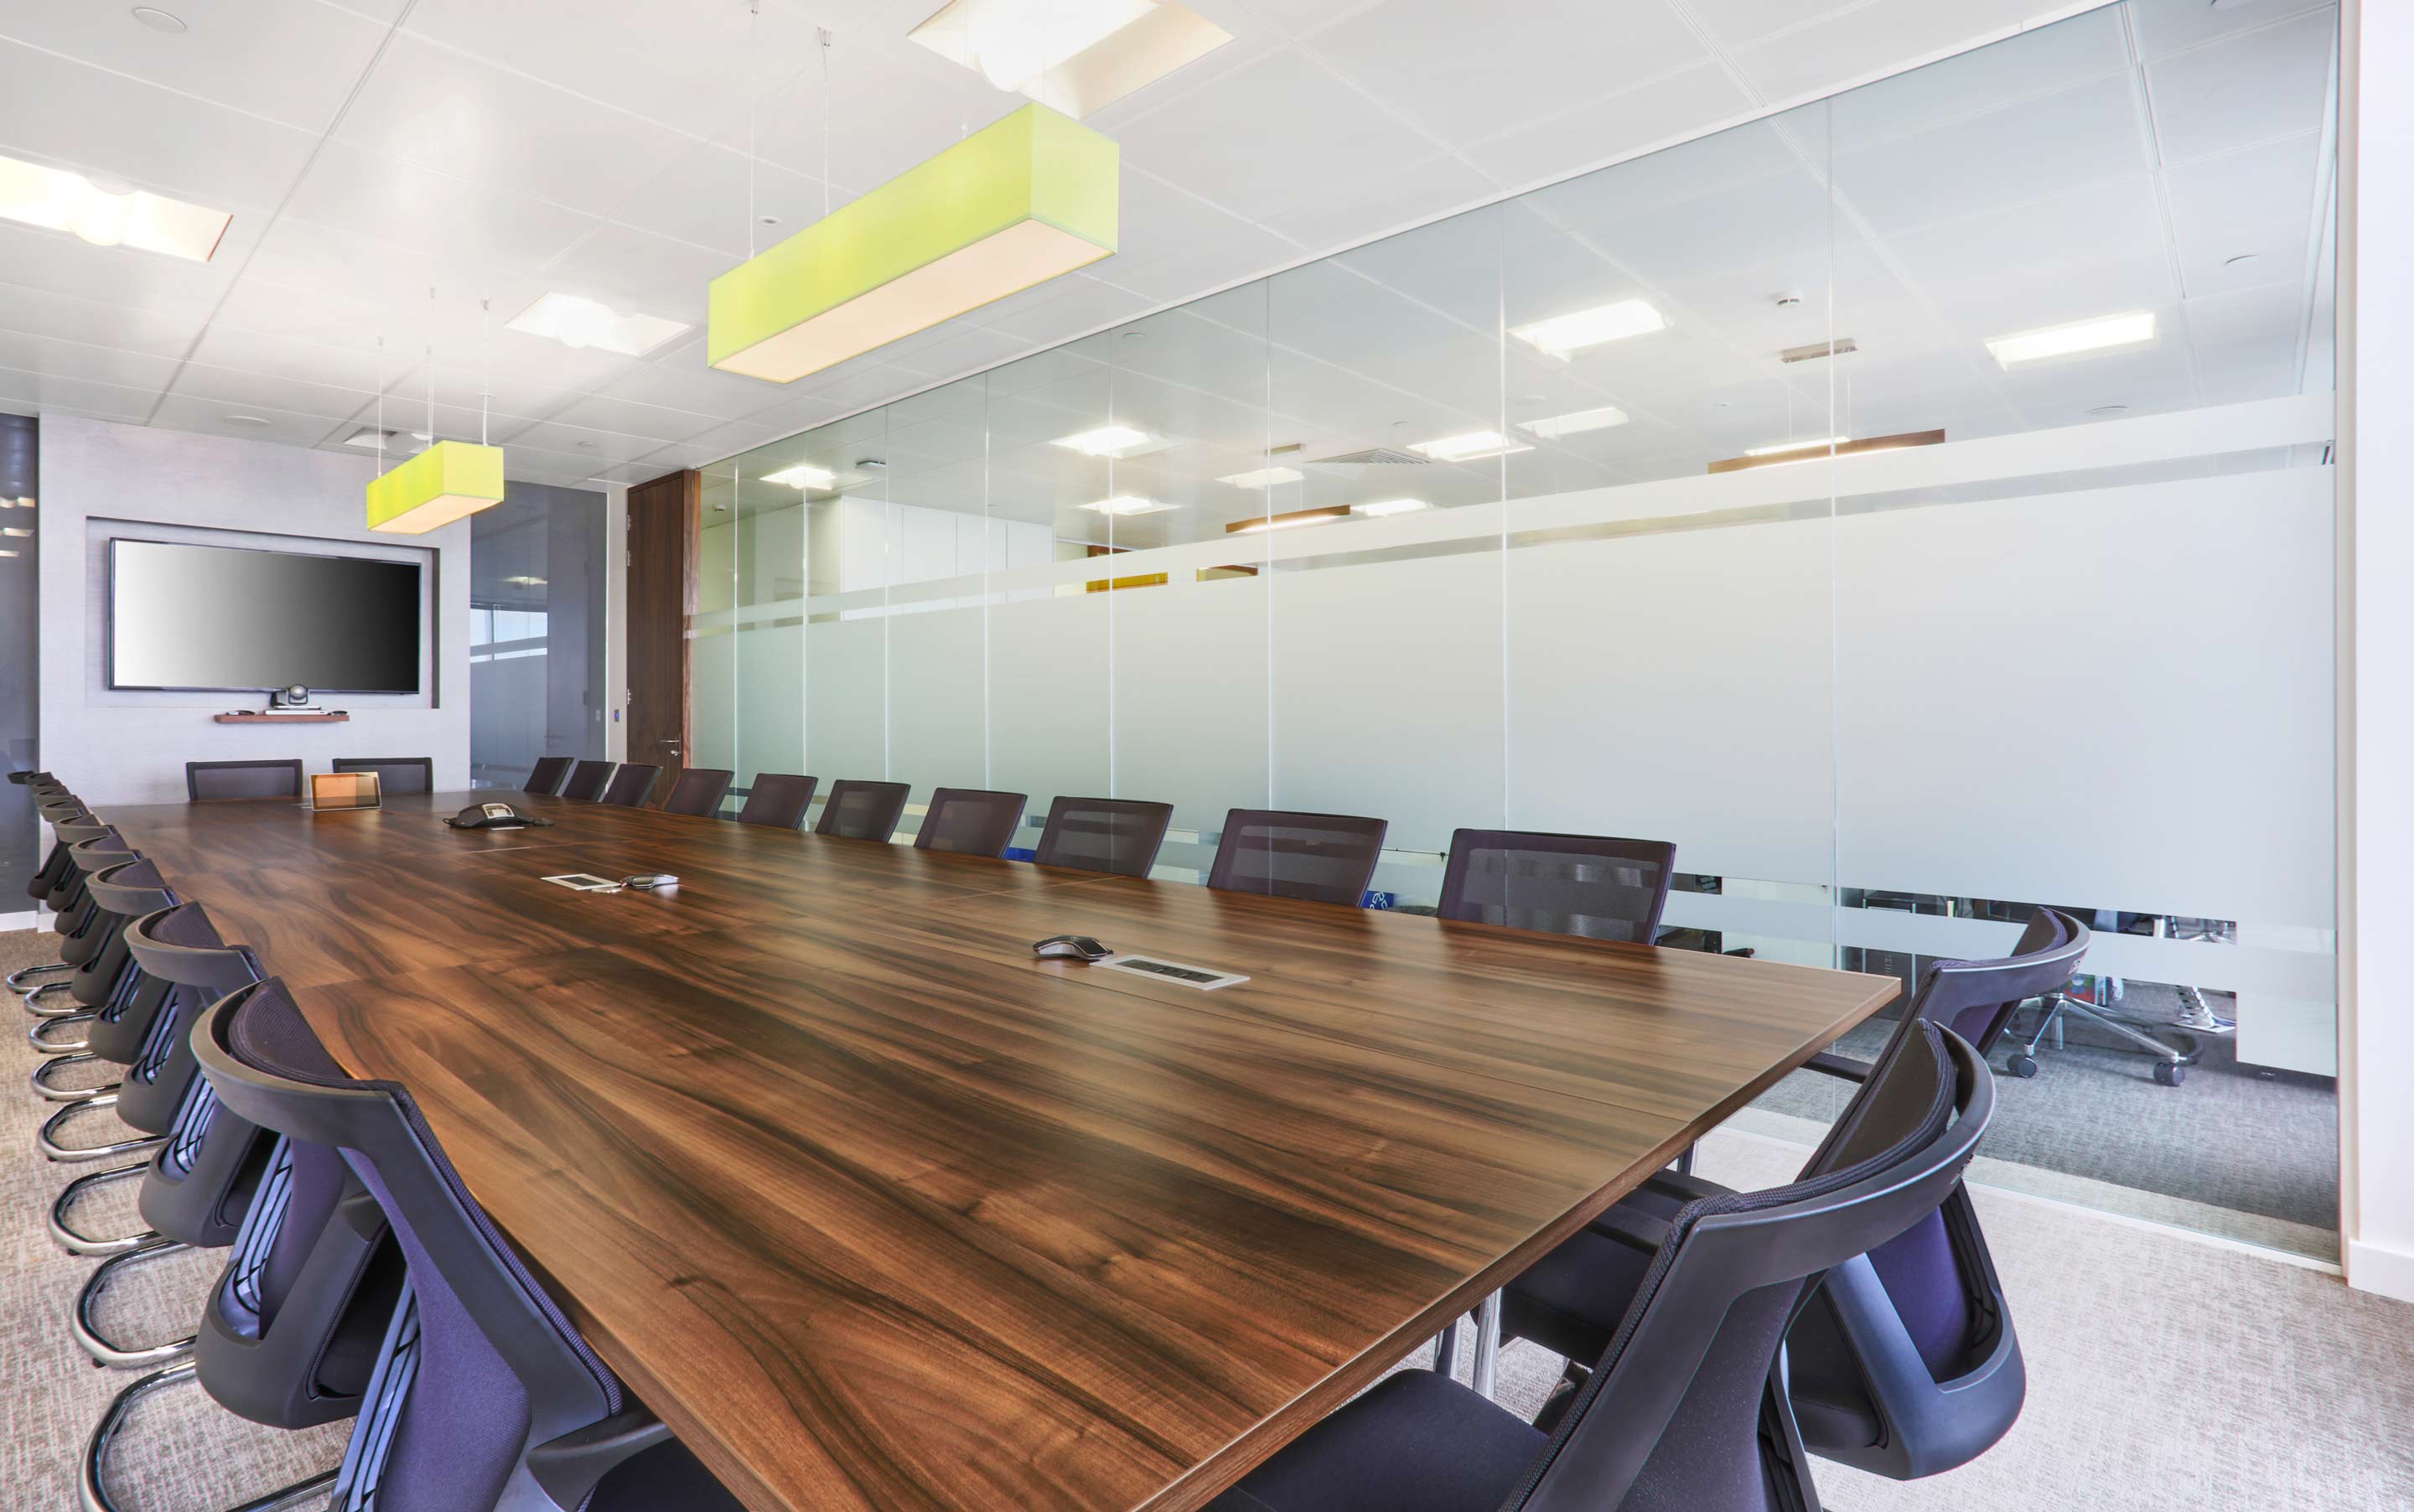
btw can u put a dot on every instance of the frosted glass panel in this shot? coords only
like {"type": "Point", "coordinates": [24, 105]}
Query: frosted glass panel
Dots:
{"type": "Point", "coordinates": [1049, 697]}
{"type": "Point", "coordinates": [846, 714]}
{"type": "Point", "coordinates": [1190, 701]}
{"type": "Point", "coordinates": [935, 729]}
{"type": "Point", "coordinates": [2043, 698]}
{"type": "Point", "coordinates": [1676, 687]}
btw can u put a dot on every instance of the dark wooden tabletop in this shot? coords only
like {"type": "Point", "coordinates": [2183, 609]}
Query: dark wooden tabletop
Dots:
{"type": "Point", "coordinates": [878, 1211]}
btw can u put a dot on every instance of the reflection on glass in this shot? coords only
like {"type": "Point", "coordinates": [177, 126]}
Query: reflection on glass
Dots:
{"type": "Point", "coordinates": [536, 632]}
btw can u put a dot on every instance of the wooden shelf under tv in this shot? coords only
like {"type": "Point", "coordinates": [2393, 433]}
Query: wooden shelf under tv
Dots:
{"type": "Point", "coordinates": [279, 718]}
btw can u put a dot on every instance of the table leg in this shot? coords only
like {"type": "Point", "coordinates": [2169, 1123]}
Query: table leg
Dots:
{"type": "Point", "coordinates": [1488, 1342]}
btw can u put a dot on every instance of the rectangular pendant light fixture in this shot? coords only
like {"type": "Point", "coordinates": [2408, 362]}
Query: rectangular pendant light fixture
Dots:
{"type": "Point", "coordinates": [1016, 203]}
{"type": "Point", "coordinates": [1291, 521]}
{"type": "Point", "coordinates": [448, 482]}
{"type": "Point", "coordinates": [1778, 456]}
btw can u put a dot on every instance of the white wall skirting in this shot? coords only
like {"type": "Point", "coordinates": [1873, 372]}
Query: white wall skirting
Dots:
{"type": "Point", "coordinates": [2381, 1272]}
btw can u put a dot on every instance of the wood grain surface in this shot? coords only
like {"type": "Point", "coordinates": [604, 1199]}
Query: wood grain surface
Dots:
{"type": "Point", "coordinates": [878, 1211]}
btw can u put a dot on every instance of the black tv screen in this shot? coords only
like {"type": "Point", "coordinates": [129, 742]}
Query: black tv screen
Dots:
{"type": "Point", "coordinates": [232, 620]}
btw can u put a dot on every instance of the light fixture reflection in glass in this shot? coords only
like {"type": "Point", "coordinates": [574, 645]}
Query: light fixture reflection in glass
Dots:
{"type": "Point", "coordinates": [1127, 504]}
{"type": "Point", "coordinates": [1474, 446]}
{"type": "Point", "coordinates": [801, 477]}
{"type": "Point", "coordinates": [1106, 441]}
{"type": "Point", "coordinates": [1563, 333]}
{"type": "Point", "coordinates": [2112, 332]}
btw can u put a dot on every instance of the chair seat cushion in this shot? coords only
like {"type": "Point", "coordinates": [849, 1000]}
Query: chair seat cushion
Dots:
{"type": "Point", "coordinates": [1569, 1301]}
{"type": "Point", "coordinates": [1416, 1443]}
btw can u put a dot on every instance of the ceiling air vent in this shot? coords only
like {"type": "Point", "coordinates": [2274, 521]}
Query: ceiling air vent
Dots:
{"type": "Point", "coordinates": [1372, 456]}
{"type": "Point", "coordinates": [1818, 349]}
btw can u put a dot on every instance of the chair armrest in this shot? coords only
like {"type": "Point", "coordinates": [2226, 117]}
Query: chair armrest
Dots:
{"type": "Point", "coordinates": [1684, 1186]}
{"type": "Point", "coordinates": [569, 1468]}
{"type": "Point", "coordinates": [1831, 1064]}
{"type": "Point", "coordinates": [1636, 1231]}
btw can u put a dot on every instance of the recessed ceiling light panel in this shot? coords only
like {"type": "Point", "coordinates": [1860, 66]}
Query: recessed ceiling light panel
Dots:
{"type": "Point", "coordinates": [1563, 333]}
{"type": "Point", "coordinates": [1475, 445]}
{"type": "Point", "coordinates": [1555, 426]}
{"type": "Point", "coordinates": [1381, 506]}
{"type": "Point", "coordinates": [1127, 504]}
{"type": "Point", "coordinates": [580, 324]}
{"type": "Point", "coordinates": [1072, 55]}
{"type": "Point", "coordinates": [1108, 441]}
{"type": "Point", "coordinates": [2113, 333]}
{"type": "Point", "coordinates": [56, 200]}
{"type": "Point", "coordinates": [802, 476]}
{"type": "Point", "coordinates": [1263, 479]}
{"type": "Point", "coordinates": [1779, 448]}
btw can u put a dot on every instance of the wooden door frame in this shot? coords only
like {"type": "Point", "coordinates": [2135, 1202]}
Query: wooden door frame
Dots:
{"type": "Point", "coordinates": [650, 687]}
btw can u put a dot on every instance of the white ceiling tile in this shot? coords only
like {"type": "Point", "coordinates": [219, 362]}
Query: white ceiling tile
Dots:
{"type": "Point", "coordinates": [56, 262]}
{"type": "Point", "coordinates": [30, 392]}
{"type": "Point", "coordinates": [1267, 134]}
{"type": "Point", "coordinates": [185, 412]}
{"type": "Point", "coordinates": [1737, 24]}
{"type": "Point", "coordinates": [1859, 40]}
{"type": "Point", "coordinates": [292, 61]}
{"type": "Point", "coordinates": [228, 345]}
{"type": "Point", "coordinates": [1982, 79]}
{"type": "Point", "coordinates": [2243, 89]}
{"type": "Point", "coordinates": [242, 391]}
{"type": "Point", "coordinates": [442, 109]}
{"type": "Point", "coordinates": [703, 198]}
{"type": "Point", "coordinates": [575, 444]}
{"type": "Point", "coordinates": [2037, 148]}
{"type": "Point", "coordinates": [165, 328]}
{"type": "Point", "coordinates": [55, 357]}
{"type": "Point", "coordinates": [636, 271]}
{"type": "Point", "coordinates": [1464, 79]}
{"type": "Point", "coordinates": [687, 67]}
{"type": "Point", "coordinates": [2166, 26]}
{"type": "Point", "coordinates": [367, 193]}
{"type": "Point", "coordinates": [1662, 111]}
{"type": "Point", "coordinates": [890, 108]}
{"type": "Point", "coordinates": [106, 124]}
{"type": "Point", "coordinates": [1242, 253]}
{"type": "Point", "coordinates": [1381, 201]}
{"type": "Point", "coordinates": [626, 415]}
{"type": "Point", "coordinates": [1080, 306]}
{"type": "Point", "coordinates": [2097, 250]}
{"type": "Point", "coordinates": [678, 380]}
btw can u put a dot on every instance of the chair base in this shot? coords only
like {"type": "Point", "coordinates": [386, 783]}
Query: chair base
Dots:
{"type": "Point", "coordinates": [2171, 1062]}
{"type": "Point", "coordinates": [22, 979]}
{"type": "Point", "coordinates": [47, 1141]}
{"type": "Point", "coordinates": [49, 1093]}
{"type": "Point", "coordinates": [49, 1047]}
{"type": "Point", "coordinates": [74, 1243]}
{"type": "Point", "coordinates": [87, 1332]}
{"type": "Point", "coordinates": [94, 1497]}
{"type": "Point", "coordinates": [72, 1008]}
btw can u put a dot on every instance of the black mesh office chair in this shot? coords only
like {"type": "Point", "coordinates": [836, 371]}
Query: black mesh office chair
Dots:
{"type": "Point", "coordinates": [698, 792]}
{"type": "Point", "coordinates": [1593, 885]}
{"type": "Point", "coordinates": [630, 786]}
{"type": "Point", "coordinates": [86, 931]}
{"type": "Point", "coordinates": [118, 997]}
{"type": "Point", "coordinates": [1676, 1410]}
{"type": "Point", "coordinates": [1314, 858]}
{"type": "Point", "coordinates": [587, 780]}
{"type": "Point", "coordinates": [205, 781]}
{"type": "Point", "coordinates": [483, 1394]}
{"type": "Point", "coordinates": [394, 774]}
{"type": "Point", "coordinates": [970, 822]}
{"type": "Point", "coordinates": [546, 774]}
{"type": "Point", "coordinates": [862, 810]}
{"type": "Point", "coordinates": [777, 801]}
{"type": "Point", "coordinates": [1117, 835]}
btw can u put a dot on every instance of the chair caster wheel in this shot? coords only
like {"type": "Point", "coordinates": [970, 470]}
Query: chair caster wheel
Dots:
{"type": "Point", "coordinates": [2022, 1066]}
{"type": "Point", "coordinates": [2169, 1073]}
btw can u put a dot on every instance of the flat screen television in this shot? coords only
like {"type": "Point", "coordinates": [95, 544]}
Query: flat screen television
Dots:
{"type": "Point", "coordinates": [235, 620]}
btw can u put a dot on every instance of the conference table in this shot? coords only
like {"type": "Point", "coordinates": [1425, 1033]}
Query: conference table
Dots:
{"type": "Point", "coordinates": [877, 1210]}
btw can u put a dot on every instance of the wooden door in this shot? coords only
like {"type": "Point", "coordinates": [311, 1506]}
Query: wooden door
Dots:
{"type": "Point", "coordinates": [662, 518]}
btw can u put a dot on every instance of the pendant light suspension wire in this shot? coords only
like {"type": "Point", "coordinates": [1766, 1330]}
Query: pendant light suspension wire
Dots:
{"type": "Point", "coordinates": [485, 362]}
{"type": "Point", "coordinates": [753, 12]}
{"type": "Point", "coordinates": [380, 405]}
{"type": "Point", "coordinates": [431, 364]}
{"type": "Point", "coordinates": [826, 121]}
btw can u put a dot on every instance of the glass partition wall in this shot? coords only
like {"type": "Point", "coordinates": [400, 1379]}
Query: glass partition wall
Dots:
{"type": "Point", "coordinates": [536, 632]}
{"type": "Point", "coordinates": [1916, 506]}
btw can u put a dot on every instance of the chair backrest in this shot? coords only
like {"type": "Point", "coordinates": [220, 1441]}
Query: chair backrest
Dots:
{"type": "Point", "coordinates": [1673, 1414]}
{"type": "Point", "coordinates": [970, 822]}
{"type": "Point", "coordinates": [395, 774]}
{"type": "Point", "coordinates": [587, 780]}
{"type": "Point", "coordinates": [1315, 858]}
{"type": "Point", "coordinates": [862, 810]}
{"type": "Point", "coordinates": [698, 792]}
{"type": "Point", "coordinates": [630, 785]}
{"type": "Point", "coordinates": [1595, 885]}
{"type": "Point", "coordinates": [207, 780]}
{"type": "Point", "coordinates": [200, 1184]}
{"type": "Point", "coordinates": [777, 801]}
{"type": "Point", "coordinates": [1906, 1362]}
{"type": "Point", "coordinates": [481, 1366]}
{"type": "Point", "coordinates": [546, 774]}
{"type": "Point", "coordinates": [1117, 835]}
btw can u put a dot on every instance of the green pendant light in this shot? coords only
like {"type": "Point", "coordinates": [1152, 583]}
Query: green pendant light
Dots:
{"type": "Point", "coordinates": [450, 480]}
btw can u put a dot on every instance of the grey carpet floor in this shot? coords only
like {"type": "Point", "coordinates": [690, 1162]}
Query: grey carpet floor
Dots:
{"type": "Point", "coordinates": [2233, 1136]}
{"type": "Point", "coordinates": [2163, 1372]}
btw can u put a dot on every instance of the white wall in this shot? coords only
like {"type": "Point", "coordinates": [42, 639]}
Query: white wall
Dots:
{"type": "Point", "coordinates": [131, 747]}
{"type": "Point", "coordinates": [2376, 738]}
